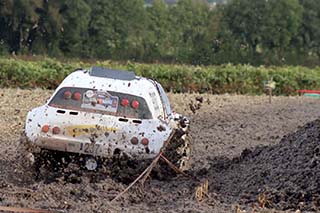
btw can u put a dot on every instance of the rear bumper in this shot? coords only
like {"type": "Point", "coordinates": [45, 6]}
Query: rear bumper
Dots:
{"type": "Point", "coordinates": [93, 149]}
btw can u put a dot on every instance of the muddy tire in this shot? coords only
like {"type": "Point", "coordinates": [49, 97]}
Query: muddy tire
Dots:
{"type": "Point", "coordinates": [52, 165]}
{"type": "Point", "coordinates": [45, 164]}
{"type": "Point", "coordinates": [184, 151]}
{"type": "Point", "coordinates": [178, 150]}
{"type": "Point", "coordinates": [25, 152]}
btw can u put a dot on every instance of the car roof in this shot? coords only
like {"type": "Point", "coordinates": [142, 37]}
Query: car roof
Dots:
{"type": "Point", "coordinates": [111, 80]}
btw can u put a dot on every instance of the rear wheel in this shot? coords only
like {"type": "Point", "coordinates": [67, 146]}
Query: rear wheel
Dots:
{"type": "Point", "coordinates": [25, 152]}
{"type": "Point", "coordinates": [178, 150]}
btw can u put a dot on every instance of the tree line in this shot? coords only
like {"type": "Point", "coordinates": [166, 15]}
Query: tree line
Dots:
{"type": "Point", "coordinates": [193, 32]}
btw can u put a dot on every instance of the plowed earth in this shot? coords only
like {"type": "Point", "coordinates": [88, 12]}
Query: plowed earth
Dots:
{"type": "Point", "coordinates": [255, 155]}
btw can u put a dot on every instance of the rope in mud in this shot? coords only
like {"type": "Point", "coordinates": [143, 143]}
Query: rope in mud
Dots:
{"type": "Point", "coordinates": [176, 169]}
{"type": "Point", "coordinates": [148, 170]}
{"type": "Point", "coordinates": [23, 210]}
{"type": "Point", "coordinates": [145, 174]}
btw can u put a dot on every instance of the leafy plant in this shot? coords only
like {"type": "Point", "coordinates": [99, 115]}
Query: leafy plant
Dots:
{"type": "Point", "coordinates": [228, 78]}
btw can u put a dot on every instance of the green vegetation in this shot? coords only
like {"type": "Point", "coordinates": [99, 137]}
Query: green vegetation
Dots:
{"type": "Point", "coordinates": [256, 32]}
{"type": "Point", "coordinates": [240, 79]}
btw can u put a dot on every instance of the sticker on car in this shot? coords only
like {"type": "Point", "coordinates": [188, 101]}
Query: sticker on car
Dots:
{"type": "Point", "coordinates": [100, 100]}
{"type": "Point", "coordinates": [90, 148]}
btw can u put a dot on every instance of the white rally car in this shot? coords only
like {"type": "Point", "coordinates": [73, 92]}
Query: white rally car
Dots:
{"type": "Point", "coordinates": [98, 112]}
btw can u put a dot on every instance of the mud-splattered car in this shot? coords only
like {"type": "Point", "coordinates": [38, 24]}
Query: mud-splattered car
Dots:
{"type": "Point", "coordinates": [100, 112]}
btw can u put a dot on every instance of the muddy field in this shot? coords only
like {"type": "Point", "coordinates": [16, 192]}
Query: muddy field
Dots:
{"type": "Point", "coordinates": [238, 146]}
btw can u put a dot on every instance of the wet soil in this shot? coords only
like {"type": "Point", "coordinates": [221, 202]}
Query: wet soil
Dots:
{"type": "Point", "coordinates": [286, 175]}
{"type": "Point", "coordinates": [256, 156]}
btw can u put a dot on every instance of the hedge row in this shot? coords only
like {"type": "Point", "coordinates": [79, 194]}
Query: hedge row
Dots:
{"type": "Point", "coordinates": [240, 79]}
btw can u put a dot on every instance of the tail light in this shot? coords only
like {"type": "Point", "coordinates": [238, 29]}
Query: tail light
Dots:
{"type": "Point", "coordinates": [134, 140]}
{"type": "Point", "coordinates": [55, 130]}
{"type": "Point", "coordinates": [77, 96]}
{"type": "Point", "coordinates": [125, 102]}
{"type": "Point", "coordinates": [67, 95]}
{"type": "Point", "coordinates": [45, 128]}
{"type": "Point", "coordinates": [135, 104]}
{"type": "Point", "coordinates": [145, 141]}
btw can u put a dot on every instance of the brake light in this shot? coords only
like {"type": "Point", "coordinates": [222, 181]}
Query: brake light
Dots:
{"type": "Point", "coordinates": [77, 96]}
{"type": "Point", "coordinates": [55, 130]}
{"type": "Point", "coordinates": [125, 102]}
{"type": "Point", "coordinates": [145, 141]}
{"type": "Point", "coordinates": [135, 104]}
{"type": "Point", "coordinates": [67, 95]}
{"type": "Point", "coordinates": [134, 140]}
{"type": "Point", "coordinates": [45, 128]}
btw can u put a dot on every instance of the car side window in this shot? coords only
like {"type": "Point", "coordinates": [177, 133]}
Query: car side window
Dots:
{"type": "Point", "coordinates": [164, 99]}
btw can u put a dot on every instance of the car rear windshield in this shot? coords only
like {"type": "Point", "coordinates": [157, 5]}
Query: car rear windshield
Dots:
{"type": "Point", "coordinates": [105, 102]}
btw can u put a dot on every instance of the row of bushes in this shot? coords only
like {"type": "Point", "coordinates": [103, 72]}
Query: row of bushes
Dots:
{"type": "Point", "coordinates": [240, 79]}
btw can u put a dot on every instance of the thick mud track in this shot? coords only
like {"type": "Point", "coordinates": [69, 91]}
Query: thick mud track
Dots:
{"type": "Point", "coordinates": [285, 175]}
{"type": "Point", "coordinates": [254, 155]}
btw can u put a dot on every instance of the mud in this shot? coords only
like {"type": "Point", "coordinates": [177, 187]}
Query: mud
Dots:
{"type": "Point", "coordinates": [286, 175]}
{"type": "Point", "coordinates": [238, 145]}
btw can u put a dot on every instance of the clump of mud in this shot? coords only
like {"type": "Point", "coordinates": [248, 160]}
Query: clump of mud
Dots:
{"type": "Point", "coordinates": [284, 176]}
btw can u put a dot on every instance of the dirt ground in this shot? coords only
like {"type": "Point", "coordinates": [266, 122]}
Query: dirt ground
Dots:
{"type": "Point", "coordinates": [238, 146]}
